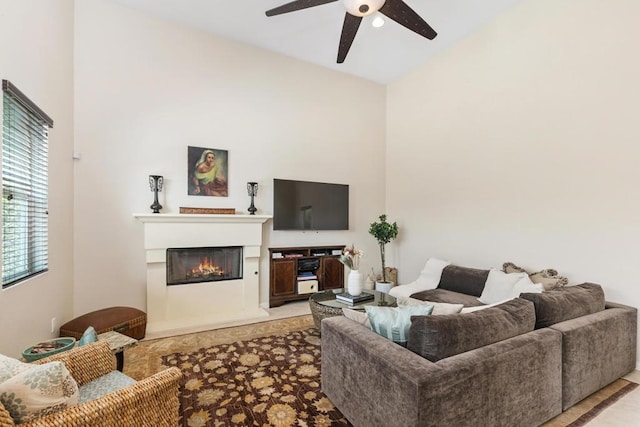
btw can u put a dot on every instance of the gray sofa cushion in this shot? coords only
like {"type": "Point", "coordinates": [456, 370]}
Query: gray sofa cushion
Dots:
{"type": "Point", "coordinates": [443, 295]}
{"type": "Point", "coordinates": [566, 303]}
{"type": "Point", "coordinates": [464, 280]}
{"type": "Point", "coordinates": [439, 337]}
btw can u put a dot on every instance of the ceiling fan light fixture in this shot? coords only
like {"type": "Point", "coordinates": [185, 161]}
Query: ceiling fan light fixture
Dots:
{"type": "Point", "coordinates": [377, 22]}
{"type": "Point", "coordinates": [362, 7]}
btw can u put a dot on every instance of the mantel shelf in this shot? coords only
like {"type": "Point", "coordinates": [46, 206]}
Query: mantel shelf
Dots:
{"type": "Point", "coordinates": [202, 218]}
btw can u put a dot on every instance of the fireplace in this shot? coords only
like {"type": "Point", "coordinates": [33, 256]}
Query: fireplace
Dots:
{"type": "Point", "coordinates": [223, 291]}
{"type": "Point", "coordinates": [195, 265]}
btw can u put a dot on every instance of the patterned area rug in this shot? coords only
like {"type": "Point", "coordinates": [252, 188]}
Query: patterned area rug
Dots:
{"type": "Point", "coordinates": [149, 356]}
{"type": "Point", "coordinates": [589, 408]}
{"type": "Point", "coordinates": [273, 380]}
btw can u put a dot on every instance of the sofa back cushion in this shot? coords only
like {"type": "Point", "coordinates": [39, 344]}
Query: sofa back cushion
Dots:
{"type": "Point", "coordinates": [464, 280]}
{"type": "Point", "coordinates": [566, 303]}
{"type": "Point", "coordinates": [439, 337]}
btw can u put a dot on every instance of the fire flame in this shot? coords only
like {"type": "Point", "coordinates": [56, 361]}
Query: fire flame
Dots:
{"type": "Point", "coordinates": [207, 268]}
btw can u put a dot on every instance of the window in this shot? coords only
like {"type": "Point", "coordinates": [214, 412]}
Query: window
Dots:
{"type": "Point", "coordinates": [25, 243]}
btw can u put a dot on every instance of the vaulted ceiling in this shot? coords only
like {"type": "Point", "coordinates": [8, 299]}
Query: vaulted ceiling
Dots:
{"type": "Point", "coordinates": [379, 54]}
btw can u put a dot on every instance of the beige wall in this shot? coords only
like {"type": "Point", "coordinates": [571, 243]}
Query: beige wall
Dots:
{"type": "Point", "coordinates": [522, 145]}
{"type": "Point", "coordinates": [145, 89]}
{"type": "Point", "coordinates": [36, 41]}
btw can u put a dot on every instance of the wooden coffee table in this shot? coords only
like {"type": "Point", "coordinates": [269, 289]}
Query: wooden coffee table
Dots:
{"type": "Point", "coordinates": [323, 304]}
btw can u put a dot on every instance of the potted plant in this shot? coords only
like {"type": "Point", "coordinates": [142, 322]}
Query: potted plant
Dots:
{"type": "Point", "coordinates": [384, 232]}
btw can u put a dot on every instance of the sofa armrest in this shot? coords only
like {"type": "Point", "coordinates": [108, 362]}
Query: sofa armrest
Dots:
{"type": "Point", "coordinates": [375, 382]}
{"type": "Point", "coordinates": [151, 402]}
{"type": "Point", "coordinates": [597, 349]}
{"type": "Point", "coordinates": [85, 363]}
{"type": "Point", "coordinates": [371, 380]}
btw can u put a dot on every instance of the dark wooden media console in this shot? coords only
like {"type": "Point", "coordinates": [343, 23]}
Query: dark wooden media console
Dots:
{"type": "Point", "coordinates": [297, 272]}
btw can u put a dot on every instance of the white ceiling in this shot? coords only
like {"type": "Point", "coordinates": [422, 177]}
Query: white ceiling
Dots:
{"type": "Point", "coordinates": [379, 54]}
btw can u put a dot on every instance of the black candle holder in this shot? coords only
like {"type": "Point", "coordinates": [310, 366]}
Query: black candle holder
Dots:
{"type": "Point", "coordinates": [252, 189]}
{"type": "Point", "coordinates": [155, 182]}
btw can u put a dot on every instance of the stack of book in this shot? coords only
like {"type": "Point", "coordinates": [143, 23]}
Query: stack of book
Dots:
{"type": "Point", "coordinates": [306, 275]}
{"type": "Point", "coordinates": [347, 298]}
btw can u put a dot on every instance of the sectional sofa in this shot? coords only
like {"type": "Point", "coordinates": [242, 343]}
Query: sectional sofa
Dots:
{"type": "Point", "coordinates": [518, 363]}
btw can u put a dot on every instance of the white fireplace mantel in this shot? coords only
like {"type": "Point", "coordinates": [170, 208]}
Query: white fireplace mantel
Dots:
{"type": "Point", "coordinates": [201, 306]}
{"type": "Point", "coordinates": [181, 218]}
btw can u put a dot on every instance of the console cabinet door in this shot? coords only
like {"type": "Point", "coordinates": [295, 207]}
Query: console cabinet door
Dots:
{"type": "Point", "coordinates": [283, 277]}
{"type": "Point", "coordinates": [332, 273]}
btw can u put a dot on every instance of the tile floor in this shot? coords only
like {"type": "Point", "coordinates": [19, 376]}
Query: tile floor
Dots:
{"type": "Point", "coordinates": [625, 412]}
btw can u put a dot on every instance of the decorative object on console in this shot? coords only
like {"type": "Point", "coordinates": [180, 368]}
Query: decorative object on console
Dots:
{"type": "Point", "coordinates": [252, 189]}
{"type": "Point", "coordinates": [384, 232]}
{"type": "Point", "coordinates": [351, 258]}
{"type": "Point", "coordinates": [155, 182]}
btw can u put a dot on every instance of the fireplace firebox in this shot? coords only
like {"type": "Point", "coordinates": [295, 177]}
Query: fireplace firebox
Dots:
{"type": "Point", "coordinates": [204, 264]}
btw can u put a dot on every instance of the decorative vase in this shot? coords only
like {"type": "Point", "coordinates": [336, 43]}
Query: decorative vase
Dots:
{"type": "Point", "coordinates": [368, 284]}
{"type": "Point", "coordinates": [354, 283]}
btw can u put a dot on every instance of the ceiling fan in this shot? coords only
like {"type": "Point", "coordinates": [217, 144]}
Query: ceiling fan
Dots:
{"type": "Point", "coordinates": [397, 10]}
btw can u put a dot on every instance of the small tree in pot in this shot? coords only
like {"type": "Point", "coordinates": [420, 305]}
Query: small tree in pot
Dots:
{"type": "Point", "coordinates": [384, 233]}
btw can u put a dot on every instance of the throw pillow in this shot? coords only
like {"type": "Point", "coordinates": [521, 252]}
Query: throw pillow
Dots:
{"type": "Point", "coordinates": [38, 390]}
{"type": "Point", "coordinates": [10, 367]}
{"type": "Point", "coordinates": [428, 279]}
{"type": "Point", "coordinates": [439, 308]}
{"type": "Point", "coordinates": [357, 316]}
{"type": "Point", "coordinates": [439, 337]}
{"type": "Point", "coordinates": [393, 322]}
{"type": "Point", "coordinates": [500, 286]}
{"type": "Point", "coordinates": [548, 277]}
{"type": "Point", "coordinates": [566, 303]}
{"type": "Point", "coordinates": [88, 336]}
{"type": "Point", "coordinates": [464, 280]}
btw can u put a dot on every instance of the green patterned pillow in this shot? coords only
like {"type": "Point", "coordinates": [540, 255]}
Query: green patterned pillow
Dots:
{"type": "Point", "coordinates": [10, 367]}
{"type": "Point", "coordinates": [38, 390]}
{"type": "Point", "coordinates": [393, 322]}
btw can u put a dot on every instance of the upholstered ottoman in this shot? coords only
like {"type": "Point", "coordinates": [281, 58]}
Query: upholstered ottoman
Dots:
{"type": "Point", "coordinates": [126, 320]}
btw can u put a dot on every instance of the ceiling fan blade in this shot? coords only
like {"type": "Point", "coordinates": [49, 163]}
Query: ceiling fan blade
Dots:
{"type": "Point", "coordinates": [296, 5]}
{"type": "Point", "coordinates": [400, 12]}
{"type": "Point", "coordinates": [349, 30]}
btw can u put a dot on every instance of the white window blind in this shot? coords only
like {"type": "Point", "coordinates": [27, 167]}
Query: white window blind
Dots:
{"type": "Point", "coordinates": [25, 240]}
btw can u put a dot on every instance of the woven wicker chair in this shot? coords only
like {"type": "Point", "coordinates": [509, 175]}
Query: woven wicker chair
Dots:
{"type": "Point", "coordinates": [152, 401]}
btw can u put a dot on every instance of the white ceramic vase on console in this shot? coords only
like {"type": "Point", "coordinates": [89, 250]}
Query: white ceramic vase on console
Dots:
{"type": "Point", "coordinates": [354, 283]}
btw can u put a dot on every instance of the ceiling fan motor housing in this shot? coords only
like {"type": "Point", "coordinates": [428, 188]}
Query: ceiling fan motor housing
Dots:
{"type": "Point", "coordinates": [362, 7]}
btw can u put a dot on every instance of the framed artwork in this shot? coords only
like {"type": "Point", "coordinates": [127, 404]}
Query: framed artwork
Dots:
{"type": "Point", "coordinates": [208, 170]}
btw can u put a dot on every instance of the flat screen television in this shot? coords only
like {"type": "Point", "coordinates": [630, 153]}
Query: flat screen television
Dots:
{"type": "Point", "coordinates": [302, 205]}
